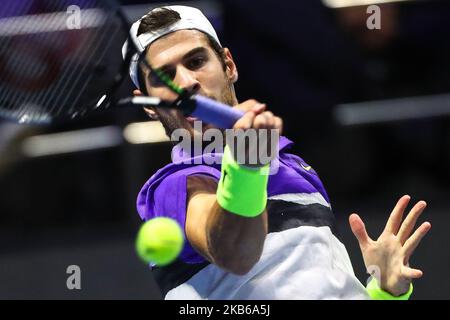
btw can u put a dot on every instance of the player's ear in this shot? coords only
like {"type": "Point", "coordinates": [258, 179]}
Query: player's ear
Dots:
{"type": "Point", "coordinates": [231, 68]}
{"type": "Point", "coordinates": [151, 113]}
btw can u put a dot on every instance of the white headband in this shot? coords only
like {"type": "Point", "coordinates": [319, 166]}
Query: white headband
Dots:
{"type": "Point", "coordinates": [191, 18]}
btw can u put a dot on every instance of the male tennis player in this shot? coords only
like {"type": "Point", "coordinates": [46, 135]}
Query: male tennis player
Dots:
{"type": "Point", "coordinates": [251, 235]}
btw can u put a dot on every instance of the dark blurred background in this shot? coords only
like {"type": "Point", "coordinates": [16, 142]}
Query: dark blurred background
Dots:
{"type": "Point", "coordinates": [306, 60]}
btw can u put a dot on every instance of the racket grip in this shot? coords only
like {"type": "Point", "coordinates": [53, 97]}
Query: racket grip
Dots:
{"type": "Point", "coordinates": [214, 112]}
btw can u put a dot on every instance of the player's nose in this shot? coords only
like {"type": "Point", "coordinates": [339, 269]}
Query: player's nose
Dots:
{"type": "Point", "coordinates": [187, 80]}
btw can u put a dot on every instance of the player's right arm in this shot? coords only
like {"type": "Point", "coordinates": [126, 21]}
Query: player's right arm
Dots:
{"type": "Point", "coordinates": [232, 242]}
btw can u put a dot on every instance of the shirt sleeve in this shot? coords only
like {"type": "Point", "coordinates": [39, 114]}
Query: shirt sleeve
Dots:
{"type": "Point", "coordinates": [166, 197]}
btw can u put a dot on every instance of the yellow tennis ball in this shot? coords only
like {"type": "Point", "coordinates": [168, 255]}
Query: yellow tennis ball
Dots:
{"type": "Point", "coordinates": [159, 240]}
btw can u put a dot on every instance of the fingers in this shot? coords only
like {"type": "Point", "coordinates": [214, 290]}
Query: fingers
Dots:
{"type": "Point", "coordinates": [251, 109]}
{"type": "Point", "coordinates": [265, 120]}
{"type": "Point", "coordinates": [251, 105]}
{"type": "Point", "coordinates": [395, 219]}
{"type": "Point", "coordinates": [279, 124]}
{"type": "Point", "coordinates": [412, 243]}
{"type": "Point", "coordinates": [137, 92]}
{"type": "Point", "coordinates": [359, 230]}
{"type": "Point", "coordinates": [258, 108]}
{"type": "Point", "coordinates": [410, 221]}
{"type": "Point", "coordinates": [261, 120]}
{"type": "Point", "coordinates": [411, 273]}
{"type": "Point", "coordinates": [246, 121]}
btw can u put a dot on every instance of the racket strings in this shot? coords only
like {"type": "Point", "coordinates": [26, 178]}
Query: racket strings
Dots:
{"type": "Point", "coordinates": [26, 48]}
{"type": "Point", "coordinates": [71, 83]}
{"type": "Point", "coordinates": [5, 25]}
{"type": "Point", "coordinates": [69, 80]}
{"type": "Point", "coordinates": [14, 61]}
{"type": "Point", "coordinates": [48, 71]}
{"type": "Point", "coordinates": [15, 65]}
{"type": "Point", "coordinates": [103, 49]}
{"type": "Point", "coordinates": [32, 100]}
{"type": "Point", "coordinates": [52, 42]}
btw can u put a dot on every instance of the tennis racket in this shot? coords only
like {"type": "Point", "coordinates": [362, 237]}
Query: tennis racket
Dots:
{"type": "Point", "coordinates": [61, 60]}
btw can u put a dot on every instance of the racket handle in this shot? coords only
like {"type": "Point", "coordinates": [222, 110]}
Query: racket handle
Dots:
{"type": "Point", "coordinates": [214, 112]}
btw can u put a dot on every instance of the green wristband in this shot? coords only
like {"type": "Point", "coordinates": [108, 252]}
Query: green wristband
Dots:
{"type": "Point", "coordinates": [242, 190]}
{"type": "Point", "coordinates": [376, 293]}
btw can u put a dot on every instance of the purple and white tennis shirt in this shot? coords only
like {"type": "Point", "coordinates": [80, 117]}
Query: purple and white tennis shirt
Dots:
{"type": "Point", "coordinates": [302, 257]}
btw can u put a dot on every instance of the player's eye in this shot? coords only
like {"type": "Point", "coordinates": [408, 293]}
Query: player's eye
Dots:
{"type": "Point", "coordinates": [155, 81]}
{"type": "Point", "coordinates": [196, 62]}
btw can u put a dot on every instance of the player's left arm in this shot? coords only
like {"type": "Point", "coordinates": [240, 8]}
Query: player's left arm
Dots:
{"type": "Point", "coordinates": [389, 255]}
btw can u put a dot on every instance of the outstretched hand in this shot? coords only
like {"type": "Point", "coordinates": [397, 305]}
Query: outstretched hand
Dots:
{"type": "Point", "coordinates": [390, 253]}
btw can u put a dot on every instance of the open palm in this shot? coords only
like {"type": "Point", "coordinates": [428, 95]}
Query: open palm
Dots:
{"type": "Point", "coordinates": [391, 252]}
